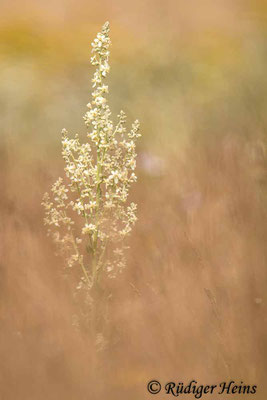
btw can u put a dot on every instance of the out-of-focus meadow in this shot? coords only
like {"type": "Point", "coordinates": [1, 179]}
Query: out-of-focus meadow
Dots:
{"type": "Point", "coordinates": [192, 302]}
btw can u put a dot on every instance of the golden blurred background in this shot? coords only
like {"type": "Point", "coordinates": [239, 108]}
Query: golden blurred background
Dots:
{"type": "Point", "coordinates": [191, 303]}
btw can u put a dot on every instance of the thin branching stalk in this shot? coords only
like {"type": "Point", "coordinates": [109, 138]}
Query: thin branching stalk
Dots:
{"type": "Point", "coordinates": [88, 214]}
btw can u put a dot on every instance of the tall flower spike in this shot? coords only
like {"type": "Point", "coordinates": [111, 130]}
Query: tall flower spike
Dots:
{"type": "Point", "coordinates": [99, 174]}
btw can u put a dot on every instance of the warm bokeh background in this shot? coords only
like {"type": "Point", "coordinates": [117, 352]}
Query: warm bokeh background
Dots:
{"type": "Point", "coordinates": [192, 302]}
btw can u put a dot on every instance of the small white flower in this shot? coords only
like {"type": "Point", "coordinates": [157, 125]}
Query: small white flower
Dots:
{"type": "Point", "coordinates": [100, 100]}
{"type": "Point", "coordinates": [88, 228]}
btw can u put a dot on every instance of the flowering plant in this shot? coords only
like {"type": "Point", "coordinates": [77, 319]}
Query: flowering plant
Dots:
{"type": "Point", "coordinates": [100, 173]}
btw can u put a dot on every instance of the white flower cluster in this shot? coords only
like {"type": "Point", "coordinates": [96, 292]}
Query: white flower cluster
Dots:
{"type": "Point", "coordinates": [100, 174]}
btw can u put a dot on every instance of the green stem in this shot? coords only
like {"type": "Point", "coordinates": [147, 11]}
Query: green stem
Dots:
{"type": "Point", "coordinates": [95, 236]}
